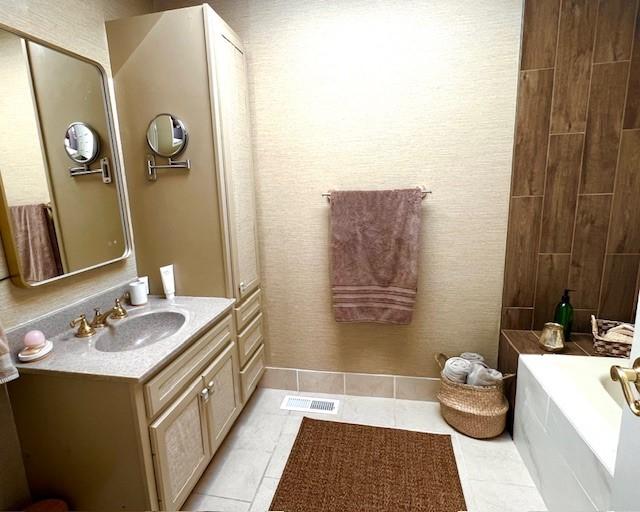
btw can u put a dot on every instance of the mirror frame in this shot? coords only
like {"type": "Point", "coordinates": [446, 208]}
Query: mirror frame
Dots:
{"type": "Point", "coordinates": [6, 230]}
{"type": "Point", "coordinates": [184, 129]}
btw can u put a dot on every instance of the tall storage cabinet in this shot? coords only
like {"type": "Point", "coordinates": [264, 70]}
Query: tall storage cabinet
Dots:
{"type": "Point", "coordinates": [189, 63]}
{"type": "Point", "coordinates": [234, 152]}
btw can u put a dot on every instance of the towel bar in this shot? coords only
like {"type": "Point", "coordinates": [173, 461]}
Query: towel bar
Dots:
{"type": "Point", "coordinates": [425, 193]}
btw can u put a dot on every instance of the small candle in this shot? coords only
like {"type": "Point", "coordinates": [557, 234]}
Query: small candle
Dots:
{"type": "Point", "coordinates": [34, 339]}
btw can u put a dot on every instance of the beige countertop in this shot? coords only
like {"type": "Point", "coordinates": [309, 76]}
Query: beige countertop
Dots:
{"type": "Point", "coordinates": [71, 355]}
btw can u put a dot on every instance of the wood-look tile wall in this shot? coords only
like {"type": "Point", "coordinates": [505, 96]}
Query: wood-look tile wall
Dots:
{"type": "Point", "coordinates": [574, 218]}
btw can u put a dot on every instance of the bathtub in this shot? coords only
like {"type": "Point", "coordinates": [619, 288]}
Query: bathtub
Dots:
{"type": "Point", "coordinates": [566, 427]}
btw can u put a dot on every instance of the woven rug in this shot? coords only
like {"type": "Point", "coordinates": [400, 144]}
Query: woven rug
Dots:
{"type": "Point", "coordinates": [347, 468]}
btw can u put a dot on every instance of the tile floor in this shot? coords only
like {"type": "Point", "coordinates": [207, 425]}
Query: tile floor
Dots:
{"type": "Point", "coordinates": [244, 474]}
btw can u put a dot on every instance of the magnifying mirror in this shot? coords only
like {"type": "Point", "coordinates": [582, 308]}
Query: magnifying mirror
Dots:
{"type": "Point", "coordinates": [81, 143]}
{"type": "Point", "coordinates": [167, 135]}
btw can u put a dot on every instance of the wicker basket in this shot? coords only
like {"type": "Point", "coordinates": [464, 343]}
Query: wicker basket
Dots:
{"type": "Point", "coordinates": [476, 411]}
{"type": "Point", "coordinates": [604, 347]}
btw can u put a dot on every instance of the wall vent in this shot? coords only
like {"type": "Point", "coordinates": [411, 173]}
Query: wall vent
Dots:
{"type": "Point", "coordinates": [308, 404]}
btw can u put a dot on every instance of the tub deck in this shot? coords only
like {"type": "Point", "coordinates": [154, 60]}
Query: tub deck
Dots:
{"type": "Point", "coordinates": [567, 423]}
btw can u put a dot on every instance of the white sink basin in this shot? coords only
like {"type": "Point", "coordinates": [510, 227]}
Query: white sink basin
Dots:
{"type": "Point", "coordinates": [139, 331]}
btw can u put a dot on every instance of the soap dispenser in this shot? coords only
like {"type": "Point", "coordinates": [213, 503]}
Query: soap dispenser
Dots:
{"type": "Point", "coordinates": [564, 314]}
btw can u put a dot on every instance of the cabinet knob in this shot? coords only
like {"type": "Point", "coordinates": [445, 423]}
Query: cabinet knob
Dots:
{"type": "Point", "coordinates": [204, 394]}
{"type": "Point", "coordinates": [211, 386]}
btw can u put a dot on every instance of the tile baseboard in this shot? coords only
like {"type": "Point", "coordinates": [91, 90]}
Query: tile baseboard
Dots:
{"type": "Point", "coordinates": [357, 384]}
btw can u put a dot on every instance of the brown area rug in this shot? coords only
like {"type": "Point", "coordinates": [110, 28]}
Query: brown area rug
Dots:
{"type": "Point", "coordinates": [347, 468]}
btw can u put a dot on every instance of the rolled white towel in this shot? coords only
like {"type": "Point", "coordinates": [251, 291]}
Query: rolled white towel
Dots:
{"type": "Point", "coordinates": [474, 357]}
{"type": "Point", "coordinates": [456, 369]}
{"type": "Point", "coordinates": [481, 376]}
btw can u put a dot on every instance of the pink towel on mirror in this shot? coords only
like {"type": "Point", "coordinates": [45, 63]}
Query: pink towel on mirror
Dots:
{"type": "Point", "coordinates": [36, 242]}
{"type": "Point", "coordinates": [374, 255]}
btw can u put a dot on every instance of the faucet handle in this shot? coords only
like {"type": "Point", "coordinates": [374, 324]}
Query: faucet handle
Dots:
{"type": "Point", "coordinates": [97, 321]}
{"type": "Point", "coordinates": [118, 310]}
{"type": "Point", "coordinates": [84, 329]}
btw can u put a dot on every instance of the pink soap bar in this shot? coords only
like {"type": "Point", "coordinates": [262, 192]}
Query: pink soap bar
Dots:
{"type": "Point", "coordinates": [34, 339]}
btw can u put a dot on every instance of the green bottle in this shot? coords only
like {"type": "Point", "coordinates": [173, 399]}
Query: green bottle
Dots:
{"type": "Point", "coordinates": [564, 314]}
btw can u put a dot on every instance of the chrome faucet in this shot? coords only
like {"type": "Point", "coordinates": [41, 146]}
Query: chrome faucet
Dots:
{"type": "Point", "coordinates": [117, 312]}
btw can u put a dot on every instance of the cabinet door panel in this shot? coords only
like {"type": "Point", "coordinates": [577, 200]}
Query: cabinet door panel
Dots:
{"type": "Point", "coordinates": [237, 164]}
{"type": "Point", "coordinates": [223, 404]}
{"type": "Point", "coordinates": [180, 447]}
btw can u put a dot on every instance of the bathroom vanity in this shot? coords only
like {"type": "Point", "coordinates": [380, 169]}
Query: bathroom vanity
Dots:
{"type": "Point", "coordinates": [130, 418]}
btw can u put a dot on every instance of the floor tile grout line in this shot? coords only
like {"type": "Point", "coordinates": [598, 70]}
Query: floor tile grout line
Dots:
{"type": "Point", "coordinates": [510, 484]}
{"type": "Point", "coordinates": [220, 497]}
{"type": "Point", "coordinates": [264, 472]}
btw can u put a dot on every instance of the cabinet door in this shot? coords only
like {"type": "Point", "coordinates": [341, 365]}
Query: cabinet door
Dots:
{"type": "Point", "coordinates": [223, 403]}
{"type": "Point", "coordinates": [236, 167]}
{"type": "Point", "coordinates": [180, 445]}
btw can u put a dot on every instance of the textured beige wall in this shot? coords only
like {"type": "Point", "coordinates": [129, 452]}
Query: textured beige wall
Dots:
{"type": "Point", "coordinates": [76, 25]}
{"type": "Point", "coordinates": [21, 160]}
{"type": "Point", "coordinates": [360, 94]}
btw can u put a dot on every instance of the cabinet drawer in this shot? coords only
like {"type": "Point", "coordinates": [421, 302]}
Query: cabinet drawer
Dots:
{"type": "Point", "coordinates": [163, 387]}
{"type": "Point", "coordinates": [250, 376]}
{"type": "Point", "coordinates": [247, 310]}
{"type": "Point", "coordinates": [250, 339]}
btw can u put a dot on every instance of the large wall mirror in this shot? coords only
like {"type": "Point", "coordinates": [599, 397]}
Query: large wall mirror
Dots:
{"type": "Point", "coordinates": [62, 203]}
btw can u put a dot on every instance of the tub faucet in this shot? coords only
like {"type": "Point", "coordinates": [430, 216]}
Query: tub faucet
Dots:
{"type": "Point", "coordinates": [626, 376]}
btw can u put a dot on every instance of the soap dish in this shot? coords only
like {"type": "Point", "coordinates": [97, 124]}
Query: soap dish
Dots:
{"type": "Point", "coordinates": [34, 353]}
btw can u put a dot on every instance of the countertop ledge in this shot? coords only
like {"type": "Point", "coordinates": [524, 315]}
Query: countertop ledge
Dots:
{"type": "Point", "coordinates": [79, 357]}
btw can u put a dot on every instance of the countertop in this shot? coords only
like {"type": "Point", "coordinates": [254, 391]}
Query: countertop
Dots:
{"type": "Point", "coordinates": [526, 342]}
{"type": "Point", "coordinates": [78, 356]}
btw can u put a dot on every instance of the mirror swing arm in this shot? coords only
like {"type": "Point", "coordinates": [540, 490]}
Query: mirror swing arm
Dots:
{"type": "Point", "coordinates": [85, 170]}
{"type": "Point", "coordinates": [152, 174]}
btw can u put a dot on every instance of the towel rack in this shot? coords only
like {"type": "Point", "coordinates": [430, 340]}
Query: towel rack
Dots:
{"type": "Point", "coordinates": [424, 190]}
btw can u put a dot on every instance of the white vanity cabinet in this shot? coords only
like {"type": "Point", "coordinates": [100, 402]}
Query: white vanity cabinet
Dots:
{"type": "Point", "coordinates": [118, 444]}
{"type": "Point", "coordinates": [186, 435]}
{"type": "Point", "coordinates": [203, 220]}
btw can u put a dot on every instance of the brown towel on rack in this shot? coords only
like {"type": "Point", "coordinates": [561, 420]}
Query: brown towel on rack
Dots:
{"type": "Point", "coordinates": [374, 255]}
{"type": "Point", "coordinates": [35, 242]}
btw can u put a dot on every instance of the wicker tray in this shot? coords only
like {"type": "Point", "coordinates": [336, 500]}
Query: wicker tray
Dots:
{"type": "Point", "coordinates": [476, 411]}
{"type": "Point", "coordinates": [606, 347]}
